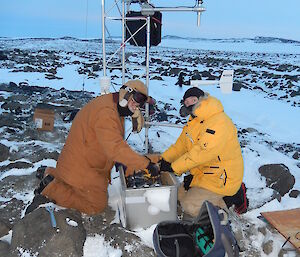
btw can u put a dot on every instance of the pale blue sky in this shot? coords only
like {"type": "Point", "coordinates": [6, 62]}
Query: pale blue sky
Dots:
{"type": "Point", "coordinates": [223, 19]}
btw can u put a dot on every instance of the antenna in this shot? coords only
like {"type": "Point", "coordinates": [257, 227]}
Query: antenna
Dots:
{"type": "Point", "coordinates": [199, 4]}
{"type": "Point", "coordinates": [225, 82]}
{"type": "Point", "coordinates": [146, 11]}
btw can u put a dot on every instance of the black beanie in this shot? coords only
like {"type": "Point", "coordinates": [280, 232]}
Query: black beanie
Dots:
{"type": "Point", "coordinates": [193, 91]}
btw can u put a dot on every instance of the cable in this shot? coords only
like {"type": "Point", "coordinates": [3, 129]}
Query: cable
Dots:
{"type": "Point", "coordinates": [86, 21]}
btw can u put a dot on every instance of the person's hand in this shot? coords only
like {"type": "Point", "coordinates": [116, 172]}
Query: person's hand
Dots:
{"type": "Point", "coordinates": [165, 166]}
{"type": "Point", "coordinates": [187, 181]}
{"type": "Point", "coordinates": [153, 169]}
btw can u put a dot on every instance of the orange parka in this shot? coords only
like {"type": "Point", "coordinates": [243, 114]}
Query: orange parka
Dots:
{"type": "Point", "coordinates": [95, 142]}
{"type": "Point", "coordinates": [208, 147]}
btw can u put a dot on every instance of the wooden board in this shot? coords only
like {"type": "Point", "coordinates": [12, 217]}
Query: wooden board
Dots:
{"type": "Point", "coordinates": [287, 223]}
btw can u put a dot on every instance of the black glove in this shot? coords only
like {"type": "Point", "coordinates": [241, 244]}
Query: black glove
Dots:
{"type": "Point", "coordinates": [153, 169]}
{"type": "Point", "coordinates": [187, 181]}
{"type": "Point", "coordinates": [165, 166]}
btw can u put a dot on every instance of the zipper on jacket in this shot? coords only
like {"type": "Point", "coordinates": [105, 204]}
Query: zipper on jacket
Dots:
{"type": "Point", "coordinates": [224, 178]}
{"type": "Point", "coordinates": [187, 134]}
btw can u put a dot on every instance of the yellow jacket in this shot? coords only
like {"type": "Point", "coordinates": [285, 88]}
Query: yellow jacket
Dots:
{"type": "Point", "coordinates": [208, 147]}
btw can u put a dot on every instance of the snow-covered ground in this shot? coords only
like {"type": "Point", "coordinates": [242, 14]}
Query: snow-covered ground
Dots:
{"type": "Point", "coordinates": [272, 112]}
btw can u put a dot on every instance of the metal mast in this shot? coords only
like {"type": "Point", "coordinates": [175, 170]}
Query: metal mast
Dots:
{"type": "Point", "coordinates": [147, 10]}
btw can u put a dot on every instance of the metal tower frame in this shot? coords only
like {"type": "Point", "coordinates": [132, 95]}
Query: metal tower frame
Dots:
{"type": "Point", "coordinates": [147, 10]}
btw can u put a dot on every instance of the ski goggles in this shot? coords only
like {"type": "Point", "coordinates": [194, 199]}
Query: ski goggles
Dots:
{"type": "Point", "coordinates": [139, 97]}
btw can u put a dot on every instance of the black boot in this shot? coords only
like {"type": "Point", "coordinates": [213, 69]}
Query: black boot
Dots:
{"type": "Point", "coordinates": [45, 182]}
{"type": "Point", "coordinates": [36, 202]}
{"type": "Point", "coordinates": [40, 172]}
{"type": "Point", "coordinates": [38, 198]}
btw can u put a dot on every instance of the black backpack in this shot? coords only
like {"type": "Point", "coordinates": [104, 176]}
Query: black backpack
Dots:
{"type": "Point", "coordinates": [208, 235]}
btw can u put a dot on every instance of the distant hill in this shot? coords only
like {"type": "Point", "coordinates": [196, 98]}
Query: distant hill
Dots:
{"type": "Point", "coordinates": [257, 39]}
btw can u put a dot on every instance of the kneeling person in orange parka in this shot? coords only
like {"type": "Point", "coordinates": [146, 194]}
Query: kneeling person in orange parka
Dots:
{"type": "Point", "coordinates": [94, 144]}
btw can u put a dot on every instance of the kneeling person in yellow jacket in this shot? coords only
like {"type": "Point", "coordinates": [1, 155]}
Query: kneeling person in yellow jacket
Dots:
{"type": "Point", "coordinates": [209, 149]}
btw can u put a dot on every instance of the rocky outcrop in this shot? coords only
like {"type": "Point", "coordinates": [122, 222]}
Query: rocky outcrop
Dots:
{"type": "Point", "coordinates": [278, 177]}
{"type": "Point", "coordinates": [35, 233]}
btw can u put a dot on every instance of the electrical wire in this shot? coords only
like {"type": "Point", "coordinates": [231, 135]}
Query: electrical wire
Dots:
{"type": "Point", "coordinates": [86, 22]}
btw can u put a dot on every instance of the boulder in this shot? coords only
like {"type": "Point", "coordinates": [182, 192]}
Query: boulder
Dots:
{"type": "Point", "coordinates": [17, 165]}
{"type": "Point", "coordinates": [294, 193]}
{"type": "Point", "coordinates": [296, 156]}
{"type": "Point", "coordinates": [237, 86]}
{"type": "Point", "coordinates": [10, 211]}
{"type": "Point", "coordinates": [34, 233]}
{"type": "Point", "coordinates": [4, 153]}
{"type": "Point", "coordinates": [268, 247]}
{"type": "Point", "coordinates": [278, 177]}
{"type": "Point", "coordinates": [4, 229]}
{"type": "Point", "coordinates": [3, 56]}
{"type": "Point", "coordinates": [4, 248]}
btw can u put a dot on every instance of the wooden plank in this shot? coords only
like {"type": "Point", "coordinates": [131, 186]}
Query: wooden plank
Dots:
{"type": "Point", "coordinates": [287, 223]}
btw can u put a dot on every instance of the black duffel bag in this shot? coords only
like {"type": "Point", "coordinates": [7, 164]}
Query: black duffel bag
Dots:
{"type": "Point", "coordinates": [208, 235]}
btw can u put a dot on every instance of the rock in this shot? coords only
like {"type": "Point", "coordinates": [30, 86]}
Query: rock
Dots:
{"type": "Point", "coordinates": [294, 193]}
{"type": "Point", "coordinates": [237, 86]}
{"type": "Point", "coordinates": [10, 211]}
{"type": "Point", "coordinates": [23, 84]}
{"type": "Point", "coordinates": [260, 88]}
{"type": "Point", "coordinates": [268, 247]}
{"type": "Point", "coordinates": [162, 116]}
{"type": "Point", "coordinates": [157, 78]}
{"type": "Point", "coordinates": [196, 75]}
{"type": "Point", "coordinates": [4, 152]}
{"type": "Point", "coordinates": [278, 177]}
{"type": "Point", "coordinates": [282, 253]}
{"type": "Point", "coordinates": [12, 84]}
{"type": "Point", "coordinates": [13, 107]}
{"type": "Point", "coordinates": [4, 229]}
{"type": "Point", "coordinates": [175, 71]}
{"type": "Point", "coordinates": [52, 71]}
{"type": "Point", "coordinates": [4, 248]}
{"type": "Point", "coordinates": [295, 93]}
{"type": "Point", "coordinates": [35, 233]}
{"type": "Point", "coordinates": [115, 234]}
{"type": "Point", "coordinates": [3, 56]}
{"type": "Point", "coordinates": [251, 130]}
{"type": "Point", "coordinates": [206, 74]}
{"type": "Point", "coordinates": [296, 156]}
{"type": "Point", "coordinates": [262, 230]}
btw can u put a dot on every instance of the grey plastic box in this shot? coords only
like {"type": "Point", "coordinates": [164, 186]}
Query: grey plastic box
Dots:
{"type": "Point", "coordinates": [135, 204]}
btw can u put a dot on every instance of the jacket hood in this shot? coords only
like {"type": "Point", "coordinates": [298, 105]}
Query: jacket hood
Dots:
{"type": "Point", "coordinates": [208, 107]}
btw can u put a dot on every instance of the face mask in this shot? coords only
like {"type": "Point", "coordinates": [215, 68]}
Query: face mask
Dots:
{"type": "Point", "coordinates": [139, 98]}
{"type": "Point", "coordinates": [185, 111]}
{"type": "Point", "coordinates": [124, 111]}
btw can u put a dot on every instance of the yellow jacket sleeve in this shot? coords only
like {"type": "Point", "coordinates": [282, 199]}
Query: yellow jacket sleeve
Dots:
{"type": "Point", "coordinates": [207, 148]}
{"type": "Point", "coordinates": [176, 150]}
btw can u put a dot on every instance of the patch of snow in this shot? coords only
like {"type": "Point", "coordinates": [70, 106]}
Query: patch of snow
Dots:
{"type": "Point", "coordinates": [146, 235]}
{"type": "Point", "coordinates": [7, 238]}
{"type": "Point", "coordinates": [71, 222]}
{"type": "Point", "coordinates": [28, 171]}
{"type": "Point", "coordinates": [26, 253]}
{"type": "Point", "coordinates": [96, 246]}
